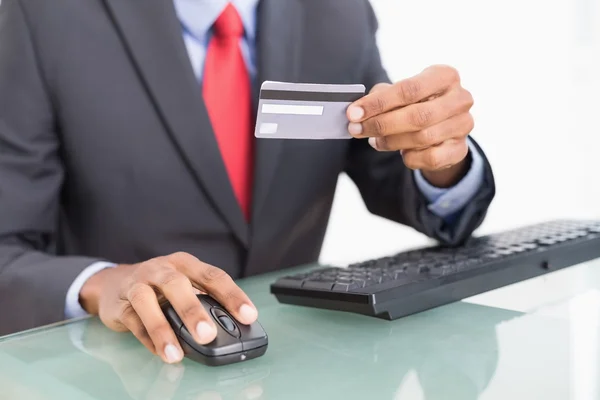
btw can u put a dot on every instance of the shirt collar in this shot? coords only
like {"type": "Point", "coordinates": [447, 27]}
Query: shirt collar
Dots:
{"type": "Point", "coordinates": [198, 16]}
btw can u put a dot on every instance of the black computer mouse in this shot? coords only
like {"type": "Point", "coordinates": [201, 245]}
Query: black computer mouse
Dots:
{"type": "Point", "coordinates": [235, 342]}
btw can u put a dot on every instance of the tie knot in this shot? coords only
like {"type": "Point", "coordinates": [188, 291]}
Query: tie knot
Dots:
{"type": "Point", "coordinates": [229, 24]}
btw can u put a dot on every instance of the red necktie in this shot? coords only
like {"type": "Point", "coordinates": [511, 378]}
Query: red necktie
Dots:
{"type": "Point", "coordinates": [228, 95]}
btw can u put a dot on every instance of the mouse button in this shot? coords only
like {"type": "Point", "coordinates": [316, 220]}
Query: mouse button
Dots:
{"type": "Point", "coordinates": [223, 345]}
{"type": "Point", "coordinates": [207, 301]}
{"type": "Point", "coordinates": [173, 319]}
{"type": "Point", "coordinates": [226, 322]}
{"type": "Point", "coordinates": [229, 326]}
{"type": "Point", "coordinates": [187, 337]}
{"type": "Point", "coordinates": [253, 336]}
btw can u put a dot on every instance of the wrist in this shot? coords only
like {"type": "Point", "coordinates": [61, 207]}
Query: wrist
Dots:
{"type": "Point", "coordinates": [89, 296]}
{"type": "Point", "coordinates": [448, 177]}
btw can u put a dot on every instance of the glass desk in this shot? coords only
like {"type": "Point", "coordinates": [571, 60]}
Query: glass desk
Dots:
{"type": "Point", "coordinates": [538, 339]}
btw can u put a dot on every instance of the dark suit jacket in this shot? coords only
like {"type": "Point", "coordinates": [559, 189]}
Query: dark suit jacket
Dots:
{"type": "Point", "coordinates": [107, 153]}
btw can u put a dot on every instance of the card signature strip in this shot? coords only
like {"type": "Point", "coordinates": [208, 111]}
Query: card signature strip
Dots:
{"type": "Point", "coordinates": [290, 109]}
{"type": "Point", "coordinates": [291, 95]}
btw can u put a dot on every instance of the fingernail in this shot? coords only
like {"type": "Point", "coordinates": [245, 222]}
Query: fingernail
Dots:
{"type": "Point", "coordinates": [206, 333]}
{"type": "Point", "coordinates": [248, 314]}
{"type": "Point", "coordinates": [172, 354]}
{"type": "Point", "coordinates": [355, 129]}
{"type": "Point", "coordinates": [373, 142]}
{"type": "Point", "coordinates": [356, 113]}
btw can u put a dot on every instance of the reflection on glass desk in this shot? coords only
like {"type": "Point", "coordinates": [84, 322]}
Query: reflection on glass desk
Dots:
{"type": "Point", "coordinates": [536, 339]}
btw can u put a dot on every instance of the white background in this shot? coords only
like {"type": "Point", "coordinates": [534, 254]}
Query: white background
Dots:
{"type": "Point", "coordinates": [533, 67]}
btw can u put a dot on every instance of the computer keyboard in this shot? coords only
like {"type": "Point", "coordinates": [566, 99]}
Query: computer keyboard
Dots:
{"type": "Point", "coordinates": [421, 279]}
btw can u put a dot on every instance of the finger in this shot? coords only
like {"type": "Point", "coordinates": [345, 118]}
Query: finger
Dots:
{"type": "Point", "coordinates": [432, 81]}
{"type": "Point", "coordinates": [133, 323]}
{"type": "Point", "coordinates": [222, 287]}
{"type": "Point", "coordinates": [380, 86]}
{"type": "Point", "coordinates": [178, 290]}
{"type": "Point", "coordinates": [456, 127]}
{"type": "Point", "coordinates": [145, 303]}
{"type": "Point", "coordinates": [415, 117]}
{"type": "Point", "coordinates": [438, 157]}
{"type": "Point", "coordinates": [218, 284]}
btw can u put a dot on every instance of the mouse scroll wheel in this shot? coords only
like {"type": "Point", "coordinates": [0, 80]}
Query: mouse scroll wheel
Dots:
{"type": "Point", "coordinates": [227, 323]}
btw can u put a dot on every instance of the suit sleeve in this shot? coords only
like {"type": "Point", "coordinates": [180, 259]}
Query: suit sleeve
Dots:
{"type": "Point", "coordinates": [33, 280]}
{"type": "Point", "coordinates": [388, 187]}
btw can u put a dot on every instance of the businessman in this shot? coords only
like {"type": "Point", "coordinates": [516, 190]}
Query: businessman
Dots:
{"type": "Point", "coordinates": [129, 172]}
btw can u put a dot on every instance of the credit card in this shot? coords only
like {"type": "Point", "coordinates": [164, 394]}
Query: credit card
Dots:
{"type": "Point", "coordinates": [305, 110]}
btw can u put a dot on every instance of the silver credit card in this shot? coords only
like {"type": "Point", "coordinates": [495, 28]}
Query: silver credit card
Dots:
{"type": "Point", "coordinates": [305, 110]}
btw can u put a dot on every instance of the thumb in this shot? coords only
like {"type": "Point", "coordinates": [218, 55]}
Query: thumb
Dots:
{"type": "Point", "coordinates": [379, 87]}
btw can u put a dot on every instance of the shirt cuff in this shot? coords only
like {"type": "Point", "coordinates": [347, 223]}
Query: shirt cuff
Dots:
{"type": "Point", "coordinates": [72, 307]}
{"type": "Point", "coordinates": [446, 203]}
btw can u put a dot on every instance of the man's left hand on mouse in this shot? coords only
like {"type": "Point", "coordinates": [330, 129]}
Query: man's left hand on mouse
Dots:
{"type": "Point", "coordinates": [426, 118]}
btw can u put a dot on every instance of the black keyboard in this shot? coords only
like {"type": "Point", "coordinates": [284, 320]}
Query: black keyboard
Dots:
{"type": "Point", "coordinates": [418, 280]}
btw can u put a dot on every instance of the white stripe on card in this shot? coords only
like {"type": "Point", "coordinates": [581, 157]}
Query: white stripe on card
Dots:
{"type": "Point", "coordinates": [267, 128]}
{"type": "Point", "coordinates": [291, 109]}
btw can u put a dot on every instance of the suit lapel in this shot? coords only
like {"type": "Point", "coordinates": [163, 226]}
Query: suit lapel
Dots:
{"type": "Point", "coordinates": [153, 37]}
{"type": "Point", "coordinates": [279, 51]}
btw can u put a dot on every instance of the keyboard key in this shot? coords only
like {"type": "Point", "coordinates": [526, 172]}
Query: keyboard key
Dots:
{"type": "Point", "coordinates": [423, 269]}
{"type": "Point", "coordinates": [371, 282]}
{"type": "Point", "coordinates": [346, 287]}
{"type": "Point", "coordinates": [331, 279]}
{"type": "Point", "coordinates": [321, 285]}
{"type": "Point", "coordinates": [375, 278]}
{"type": "Point", "coordinates": [580, 233]}
{"type": "Point", "coordinates": [529, 246]}
{"type": "Point", "coordinates": [399, 272]}
{"type": "Point", "coordinates": [358, 283]}
{"type": "Point", "coordinates": [290, 282]}
{"type": "Point", "coordinates": [328, 271]}
{"type": "Point", "coordinates": [341, 287]}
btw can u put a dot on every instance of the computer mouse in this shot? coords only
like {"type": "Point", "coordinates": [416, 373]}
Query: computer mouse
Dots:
{"type": "Point", "coordinates": [234, 343]}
